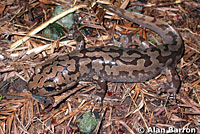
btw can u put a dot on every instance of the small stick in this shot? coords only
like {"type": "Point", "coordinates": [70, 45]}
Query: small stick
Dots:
{"type": "Point", "coordinates": [45, 24]}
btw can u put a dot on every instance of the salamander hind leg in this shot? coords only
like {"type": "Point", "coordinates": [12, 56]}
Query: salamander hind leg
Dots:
{"type": "Point", "coordinates": [101, 89]}
{"type": "Point", "coordinates": [173, 84]}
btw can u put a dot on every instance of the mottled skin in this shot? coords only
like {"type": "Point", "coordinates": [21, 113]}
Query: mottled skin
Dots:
{"type": "Point", "coordinates": [115, 64]}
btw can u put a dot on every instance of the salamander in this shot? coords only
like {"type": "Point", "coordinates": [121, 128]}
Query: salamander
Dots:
{"type": "Point", "coordinates": [111, 63]}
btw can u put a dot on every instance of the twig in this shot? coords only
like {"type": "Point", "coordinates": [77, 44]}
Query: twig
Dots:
{"type": "Point", "coordinates": [42, 26]}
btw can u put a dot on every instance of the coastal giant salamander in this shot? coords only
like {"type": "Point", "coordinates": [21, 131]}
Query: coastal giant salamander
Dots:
{"type": "Point", "coordinates": [111, 63]}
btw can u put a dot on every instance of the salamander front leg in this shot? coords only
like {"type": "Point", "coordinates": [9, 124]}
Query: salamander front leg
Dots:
{"type": "Point", "coordinates": [173, 82]}
{"type": "Point", "coordinates": [47, 101]}
{"type": "Point", "coordinates": [127, 40]}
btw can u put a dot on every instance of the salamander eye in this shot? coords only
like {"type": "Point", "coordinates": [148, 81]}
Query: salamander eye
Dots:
{"type": "Point", "coordinates": [49, 86]}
